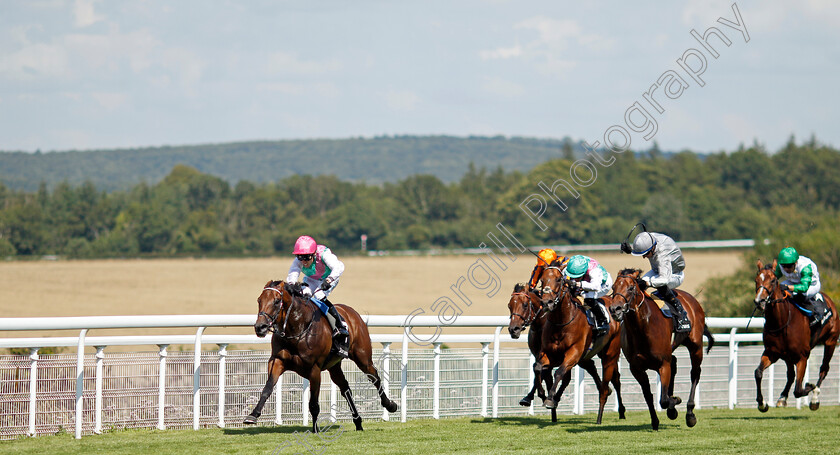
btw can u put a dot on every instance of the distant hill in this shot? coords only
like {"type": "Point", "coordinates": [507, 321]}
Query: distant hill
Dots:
{"type": "Point", "coordinates": [376, 160]}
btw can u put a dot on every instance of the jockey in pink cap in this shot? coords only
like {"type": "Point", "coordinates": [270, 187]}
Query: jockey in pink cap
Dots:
{"type": "Point", "coordinates": [322, 270]}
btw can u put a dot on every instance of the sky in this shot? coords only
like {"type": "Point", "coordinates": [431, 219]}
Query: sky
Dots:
{"type": "Point", "coordinates": [89, 74]}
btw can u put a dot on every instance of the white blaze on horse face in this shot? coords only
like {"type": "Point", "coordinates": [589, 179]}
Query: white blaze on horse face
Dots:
{"type": "Point", "coordinates": [759, 295]}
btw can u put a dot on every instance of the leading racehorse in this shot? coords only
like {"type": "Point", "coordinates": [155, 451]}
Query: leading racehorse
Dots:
{"type": "Point", "coordinates": [301, 343]}
{"type": "Point", "coordinates": [646, 341]}
{"type": "Point", "coordinates": [568, 340]}
{"type": "Point", "coordinates": [787, 336]}
{"type": "Point", "coordinates": [526, 310]}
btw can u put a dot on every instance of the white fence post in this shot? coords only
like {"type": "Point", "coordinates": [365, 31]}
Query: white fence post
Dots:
{"type": "Point", "coordinates": [80, 382]}
{"type": "Point", "coordinates": [222, 356]}
{"type": "Point", "coordinates": [733, 369]}
{"type": "Point", "coordinates": [33, 388]}
{"type": "Point", "coordinates": [771, 384]}
{"type": "Point", "coordinates": [100, 360]}
{"type": "Point", "coordinates": [162, 385]}
{"type": "Point", "coordinates": [386, 374]}
{"type": "Point", "coordinates": [496, 372]}
{"type": "Point", "coordinates": [532, 360]}
{"type": "Point", "coordinates": [436, 382]}
{"type": "Point", "coordinates": [618, 372]}
{"type": "Point", "coordinates": [278, 401]}
{"type": "Point", "coordinates": [578, 373]}
{"type": "Point", "coordinates": [304, 402]}
{"type": "Point", "coordinates": [404, 377]}
{"type": "Point", "coordinates": [197, 379]}
{"type": "Point", "coordinates": [485, 364]}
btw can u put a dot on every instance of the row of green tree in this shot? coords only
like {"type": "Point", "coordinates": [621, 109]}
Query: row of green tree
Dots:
{"type": "Point", "coordinates": [747, 193]}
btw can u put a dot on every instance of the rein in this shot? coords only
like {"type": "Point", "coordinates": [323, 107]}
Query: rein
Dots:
{"type": "Point", "coordinates": [768, 301]}
{"type": "Point", "coordinates": [273, 324]}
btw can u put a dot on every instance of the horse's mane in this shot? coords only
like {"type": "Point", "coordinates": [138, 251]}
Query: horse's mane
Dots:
{"type": "Point", "coordinates": [295, 289]}
{"type": "Point", "coordinates": [768, 266]}
{"type": "Point", "coordinates": [519, 287]}
{"type": "Point", "coordinates": [558, 263]}
{"type": "Point", "coordinates": [629, 271]}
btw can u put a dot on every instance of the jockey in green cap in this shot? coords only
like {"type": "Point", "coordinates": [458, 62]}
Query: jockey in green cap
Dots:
{"type": "Point", "coordinates": [593, 281]}
{"type": "Point", "coordinates": [800, 276]}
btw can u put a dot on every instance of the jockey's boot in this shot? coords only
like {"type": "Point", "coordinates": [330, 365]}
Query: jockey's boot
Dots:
{"type": "Point", "coordinates": [681, 322]}
{"type": "Point", "coordinates": [821, 313]}
{"type": "Point", "coordinates": [601, 322]}
{"type": "Point", "coordinates": [809, 305]}
{"type": "Point", "coordinates": [340, 334]}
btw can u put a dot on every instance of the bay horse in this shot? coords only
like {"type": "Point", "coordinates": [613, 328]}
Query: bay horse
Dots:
{"type": "Point", "coordinates": [526, 310]}
{"type": "Point", "coordinates": [567, 340]}
{"type": "Point", "coordinates": [301, 343]}
{"type": "Point", "coordinates": [646, 339]}
{"type": "Point", "coordinates": [788, 336]}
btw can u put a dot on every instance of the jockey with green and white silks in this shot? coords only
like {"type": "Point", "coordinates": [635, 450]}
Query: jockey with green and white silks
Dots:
{"type": "Point", "coordinates": [798, 274]}
{"type": "Point", "coordinates": [592, 278]}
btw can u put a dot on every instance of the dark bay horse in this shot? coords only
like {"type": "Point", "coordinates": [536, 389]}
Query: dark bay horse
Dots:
{"type": "Point", "coordinates": [568, 340]}
{"type": "Point", "coordinates": [526, 310]}
{"type": "Point", "coordinates": [301, 343]}
{"type": "Point", "coordinates": [788, 336]}
{"type": "Point", "coordinates": [646, 339]}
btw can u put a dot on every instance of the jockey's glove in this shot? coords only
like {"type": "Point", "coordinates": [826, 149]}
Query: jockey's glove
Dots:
{"type": "Point", "coordinates": [326, 284]}
{"type": "Point", "coordinates": [306, 291]}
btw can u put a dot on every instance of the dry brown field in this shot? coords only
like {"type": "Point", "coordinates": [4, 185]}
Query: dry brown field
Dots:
{"type": "Point", "coordinates": [371, 285]}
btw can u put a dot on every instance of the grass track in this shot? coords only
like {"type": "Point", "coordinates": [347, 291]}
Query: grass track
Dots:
{"type": "Point", "coordinates": [717, 431]}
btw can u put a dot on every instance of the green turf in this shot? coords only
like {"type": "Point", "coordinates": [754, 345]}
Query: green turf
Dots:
{"type": "Point", "coordinates": [717, 431]}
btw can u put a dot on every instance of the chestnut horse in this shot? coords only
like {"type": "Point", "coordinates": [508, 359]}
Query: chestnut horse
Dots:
{"type": "Point", "coordinates": [301, 343]}
{"type": "Point", "coordinates": [526, 310]}
{"type": "Point", "coordinates": [567, 340]}
{"type": "Point", "coordinates": [646, 339]}
{"type": "Point", "coordinates": [787, 336]}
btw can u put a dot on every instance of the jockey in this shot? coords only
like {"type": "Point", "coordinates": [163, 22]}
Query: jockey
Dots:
{"type": "Point", "coordinates": [800, 276]}
{"type": "Point", "coordinates": [544, 258]}
{"type": "Point", "coordinates": [593, 281]}
{"type": "Point", "coordinates": [667, 265]}
{"type": "Point", "coordinates": [322, 270]}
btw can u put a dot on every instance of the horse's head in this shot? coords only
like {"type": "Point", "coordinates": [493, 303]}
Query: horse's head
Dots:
{"type": "Point", "coordinates": [273, 302]}
{"type": "Point", "coordinates": [524, 307]}
{"type": "Point", "coordinates": [766, 285]}
{"type": "Point", "coordinates": [627, 289]}
{"type": "Point", "coordinates": [555, 286]}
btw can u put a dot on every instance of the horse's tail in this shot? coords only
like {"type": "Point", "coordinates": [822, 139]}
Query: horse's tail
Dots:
{"type": "Point", "coordinates": [708, 335]}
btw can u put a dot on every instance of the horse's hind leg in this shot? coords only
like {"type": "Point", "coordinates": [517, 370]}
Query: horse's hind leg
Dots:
{"type": "Point", "coordinates": [696, 355]}
{"type": "Point", "coordinates": [766, 361]}
{"type": "Point", "coordinates": [314, 393]}
{"type": "Point", "coordinates": [337, 376]}
{"type": "Point", "coordinates": [365, 364]}
{"type": "Point", "coordinates": [828, 352]}
{"type": "Point", "coordinates": [589, 367]}
{"type": "Point", "coordinates": [275, 369]}
{"type": "Point", "coordinates": [642, 378]}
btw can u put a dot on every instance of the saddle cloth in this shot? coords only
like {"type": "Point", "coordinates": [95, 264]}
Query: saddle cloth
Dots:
{"type": "Point", "coordinates": [666, 311]}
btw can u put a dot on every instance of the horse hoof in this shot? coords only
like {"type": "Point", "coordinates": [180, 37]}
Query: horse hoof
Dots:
{"type": "Point", "coordinates": [673, 413]}
{"type": "Point", "coordinates": [763, 407]}
{"type": "Point", "coordinates": [549, 404]}
{"type": "Point", "coordinates": [525, 402]}
{"type": "Point", "coordinates": [250, 420]}
{"type": "Point", "coordinates": [677, 400]}
{"type": "Point", "coordinates": [392, 407]}
{"type": "Point", "coordinates": [690, 420]}
{"type": "Point", "coordinates": [782, 403]}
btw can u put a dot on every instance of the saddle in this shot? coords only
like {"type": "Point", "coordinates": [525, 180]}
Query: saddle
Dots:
{"type": "Point", "coordinates": [814, 308]}
{"type": "Point", "coordinates": [592, 319]}
{"type": "Point", "coordinates": [340, 344]}
{"type": "Point", "coordinates": [660, 302]}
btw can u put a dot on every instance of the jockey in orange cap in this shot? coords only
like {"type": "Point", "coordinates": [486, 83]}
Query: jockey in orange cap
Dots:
{"type": "Point", "coordinates": [545, 257]}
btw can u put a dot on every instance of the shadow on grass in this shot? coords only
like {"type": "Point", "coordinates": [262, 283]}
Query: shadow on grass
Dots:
{"type": "Point", "coordinates": [767, 416]}
{"type": "Point", "coordinates": [569, 424]}
{"type": "Point", "coordinates": [255, 430]}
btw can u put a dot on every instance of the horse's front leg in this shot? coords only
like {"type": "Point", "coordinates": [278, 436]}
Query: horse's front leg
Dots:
{"type": "Point", "coordinates": [665, 400]}
{"type": "Point", "coordinates": [527, 399]}
{"type": "Point", "coordinates": [314, 394]}
{"type": "Point", "coordinates": [275, 369]}
{"type": "Point", "coordinates": [562, 376]}
{"type": "Point", "coordinates": [791, 373]}
{"type": "Point", "coordinates": [765, 362]}
{"type": "Point", "coordinates": [799, 389]}
{"type": "Point", "coordinates": [642, 378]}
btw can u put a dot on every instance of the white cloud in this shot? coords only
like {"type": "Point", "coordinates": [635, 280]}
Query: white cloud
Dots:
{"type": "Point", "coordinates": [35, 60]}
{"type": "Point", "coordinates": [501, 53]}
{"type": "Point", "coordinates": [503, 87]}
{"type": "Point", "coordinates": [401, 100]}
{"type": "Point", "coordinates": [324, 89]}
{"type": "Point", "coordinates": [84, 14]}
{"type": "Point", "coordinates": [110, 100]}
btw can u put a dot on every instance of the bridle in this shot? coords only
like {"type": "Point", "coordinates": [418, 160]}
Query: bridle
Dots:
{"type": "Point", "coordinates": [627, 306]}
{"type": "Point", "coordinates": [273, 326]}
{"type": "Point", "coordinates": [768, 301]}
{"type": "Point", "coordinates": [532, 314]}
{"type": "Point", "coordinates": [555, 302]}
